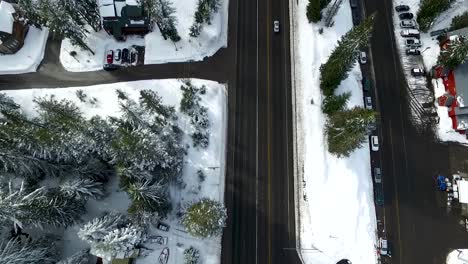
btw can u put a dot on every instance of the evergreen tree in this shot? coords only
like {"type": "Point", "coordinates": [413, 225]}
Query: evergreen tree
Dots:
{"type": "Point", "coordinates": [82, 189]}
{"type": "Point", "coordinates": [347, 130]}
{"type": "Point", "coordinates": [459, 21]}
{"type": "Point", "coordinates": [335, 103]}
{"type": "Point", "coordinates": [429, 10]}
{"type": "Point", "coordinates": [203, 14]}
{"type": "Point", "coordinates": [122, 240]}
{"type": "Point", "coordinates": [344, 56]}
{"type": "Point", "coordinates": [15, 251]}
{"type": "Point", "coordinates": [162, 12]}
{"type": "Point", "coordinates": [456, 53]}
{"type": "Point", "coordinates": [98, 228]}
{"type": "Point", "coordinates": [191, 256]}
{"type": "Point", "coordinates": [205, 218]}
{"type": "Point", "coordinates": [80, 257]}
{"type": "Point", "coordinates": [314, 11]}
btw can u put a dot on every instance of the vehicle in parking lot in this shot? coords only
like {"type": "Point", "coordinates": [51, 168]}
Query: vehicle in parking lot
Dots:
{"type": "Point", "coordinates": [383, 245]}
{"type": "Point", "coordinates": [413, 43]}
{"type": "Point", "coordinates": [363, 57]}
{"type": "Point", "coordinates": [406, 15]}
{"type": "Point", "coordinates": [402, 8]}
{"type": "Point", "coordinates": [365, 84]}
{"type": "Point", "coordinates": [413, 52]}
{"type": "Point", "coordinates": [377, 175]}
{"type": "Point", "coordinates": [416, 72]}
{"type": "Point", "coordinates": [372, 126]}
{"type": "Point", "coordinates": [110, 57]}
{"type": "Point", "coordinates": [276, 26]}
{"type": "Point", "coordinates": [374, 143]}
{"type": "Point", "coordinates": [117, 55]}
{"type": "Point", "coordinates": [410, 33]}
{"type": "Point", "coordinates": [162, 227]}
{"type": "Point", "coordinates": [408, 23]}
{"type": "Point", "coordinates": [125, 56]}
{"type": "Point", "coordinates": [368, 102]}
{"type": "Point", "coordinates": [133, 56]}
{"type": "Point", "coordinates": [379, 194]}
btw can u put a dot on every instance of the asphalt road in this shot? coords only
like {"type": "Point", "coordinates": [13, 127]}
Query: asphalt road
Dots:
{"type": "Point", "coordinates": [416, 224]}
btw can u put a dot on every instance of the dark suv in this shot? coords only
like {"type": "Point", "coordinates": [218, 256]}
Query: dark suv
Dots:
{"type": "Point", "coordinates": [379, 194]}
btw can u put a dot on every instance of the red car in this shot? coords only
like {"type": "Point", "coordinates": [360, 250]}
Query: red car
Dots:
{"type": "Point", "coordinates": [110, 57]}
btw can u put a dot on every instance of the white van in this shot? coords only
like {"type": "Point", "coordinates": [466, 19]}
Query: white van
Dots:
{"type": "Point", "coordinates": [410, 33]}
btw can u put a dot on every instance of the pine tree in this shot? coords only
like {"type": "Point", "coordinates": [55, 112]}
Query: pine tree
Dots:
{"type": "Point", "coordinates": [429, 10]}
{"type": "Point", "coordinates": [205, 218]}
{"type": "Point", "coordinates": [459, 21]}
{"type": "Point", "coordinates": [119, 240]}
{"type": "Point", "coordinates": [82, 189]}
{"type": "Point", "coordinates": [314, 11]}
{"type": "Point", "coordinates": [335, 103]}
{"type": "Point", "coordinates": [456, 54]}
{"type": "Point", "coordinates": [98, 228]}
{"type": "Point", "coordinates": [15, 252]}
{"type": "Point", "coordinates": [344, 56]}
{"type": "Point", "coordinates": [191, 256]}
{"type": "Point", "coordinates": [80, 257]}
{"type": "Point", "coordinates": [162, 12]}
{"type": "Point", "coordinates": [347, 130]}
{"type": "Point", "coordinates": [203, 14]}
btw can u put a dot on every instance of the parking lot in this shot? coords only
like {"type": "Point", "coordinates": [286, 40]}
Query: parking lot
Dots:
{"type": "Point", "coordinates": [123, 57]}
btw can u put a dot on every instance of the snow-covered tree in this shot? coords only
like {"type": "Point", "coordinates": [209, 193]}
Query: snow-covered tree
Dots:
{"type": "Point", "coordinates": [203, 14]}
{"type": "Point", "coordinates": [82, 189]}
{"type": "Point", "coordinates": [95, 230]}
{"type": "Point", "coordinates": [166, 20]}
{"type": "Point", "coordinates": [80, 257]}
{"type": "Point", "coordinates": [335, 103]}
{"type": "Point", "coordinates": [344, 56]}
{"type": "Point", "coordinates": [456, 53]}
{"type": "Point", "coordinates": [347, 130]}
{"type": "Point", "coordinates": [191, 256]}
{"type": "Point", "coordinates": [148, 196]}
{"type": "Point", "coordinates": [314, 11]}
{"type": "Point", "coordinates": [205, 218]}
{"type": "Point", "coordinates": [429, 10]}
{"type": "Point", "coordinates": [190, 105]}
{"type": "Point", "coordinates": [15, 251]}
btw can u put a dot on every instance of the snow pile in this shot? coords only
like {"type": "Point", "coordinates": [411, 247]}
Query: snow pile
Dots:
{"type": "Point", "coordinates": [212, 38]}
{"type": "Point", "coordinates": [337, 215]}
{"type": "Point", "coordinates": [29, 57]}
{"type": "Point", "coordinates": [459, 256]}
{"type": "Point", "coordinates": [210, 160]}
{"type": "Point", "coordinates": [6, 17]}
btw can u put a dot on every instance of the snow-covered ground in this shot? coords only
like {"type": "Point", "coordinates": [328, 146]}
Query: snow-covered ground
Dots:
{"type": "Point", "coordinates": [211, 160]}
{"type": "Point", "coordinates": [337, 214]}
{"type": "Point", "coordinates": [212, 38]}
{"type": "Point", "coordinates": [430, 51]}
{"type": "Point", "coordinates": [458, 257]}
{"type": "Point", "coordinates": [28, 58]}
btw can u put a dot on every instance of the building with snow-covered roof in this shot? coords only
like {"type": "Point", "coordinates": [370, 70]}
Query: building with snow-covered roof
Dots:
{"type": "Point", "coordinates": [13, 29]}
{"type": "Point", "coordinates": [122, 17]}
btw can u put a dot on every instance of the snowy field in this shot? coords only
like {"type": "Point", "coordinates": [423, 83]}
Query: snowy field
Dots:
{"type": "Point", "coordinates": [337, 213]}
{"type": "Point", "coordinates": [430, 51]}
{"type": "Point", "coordinates": [28, 58]}
{"type": "Point", "coordinates": [212, 38]}
{"type": "Point", "coordinates": [210, 161]}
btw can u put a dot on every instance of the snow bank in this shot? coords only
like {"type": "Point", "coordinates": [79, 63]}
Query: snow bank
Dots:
{"type": "Point", "coordinates": [28, 58]}
{"type": "Point", "coordinates": [210, 160]}
{"type": "Point", "coordinates": [158, 51]}
{"type": "Point", "coordinates": [459, 256]}
{"type": "Point", "coordinates": [337, 214]}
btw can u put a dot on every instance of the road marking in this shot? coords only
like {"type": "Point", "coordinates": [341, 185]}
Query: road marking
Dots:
{"type": "Point", "coordinates": [397, 207]}
{"type": "Point", "coordinates": [256, 149]}
{"type": "Point", "coordinates": [268, 131]}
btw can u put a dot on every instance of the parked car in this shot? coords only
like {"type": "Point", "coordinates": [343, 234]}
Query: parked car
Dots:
{"type": "Point", "coordinates": [362, 57]}
{"type": "Point", "coordinates": [410, 33]}
{"type": "Point", "coordinates": [417, 72]}
{"type": "Point", "coordinates": [365, 84]}
{"type": "Point", "coordinates": [353, 3]}
{"type": "Point", "coordinates": [374, 143]}
{"type": "Point", "coordinates": [118, 55]}
{"type": "Point", "coordinates": [110, 57]}
{"type": "Point", "coordinates": [383, 245]}
{"type": "Point", "coordinates": [344, 261]}
{"type": "Point", "coordinates": [160, 240]}
{"type": "Point", "coordinates": [413, 43]}
{"type": "Point", "coordinates": [377, 175]}
{"type": "Point", "coordinates": [379, 194]}
{"type": "Point", "coordinates": [125, 56]}
{"type": "Point", "coordinates": [356, 18]}
{"type": "Point", "coordinates": [162, 227]}
{"type": "Point", "coordinates": [406, 15]}
{"type": "Point", "coordinates": [372, 126]}
{"type": "Point", "coordinates": [276, 26]}
{"type": "Point", "coordinates": [413, 52]}
{"type": "Point", "coordinates": [402, 8]}
{"type": "Point", "coordinates": [408, 23]}
{"type": "Point", "coordinates": [368, 102]}
{"type": "Point", "coordinates": [133, 57]}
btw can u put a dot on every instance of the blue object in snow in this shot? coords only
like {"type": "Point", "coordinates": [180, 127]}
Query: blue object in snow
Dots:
{"type": "Point", "coordinates": [441, 183]}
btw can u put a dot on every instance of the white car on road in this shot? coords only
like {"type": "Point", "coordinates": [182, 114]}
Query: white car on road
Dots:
{"type": "Point", "coordinates": [374, 143]}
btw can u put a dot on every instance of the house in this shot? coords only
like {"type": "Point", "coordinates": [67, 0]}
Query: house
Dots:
{"type": "Point", "coordinates": [13, 29]}
{"type": "Point", "coordinates": [122, 17]}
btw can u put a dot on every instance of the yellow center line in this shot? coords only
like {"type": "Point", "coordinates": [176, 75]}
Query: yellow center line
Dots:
{"type": "Point", "coordinates": [268, 133]}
